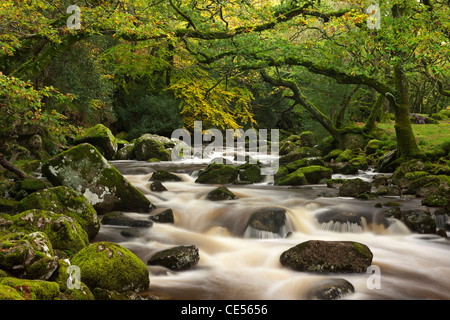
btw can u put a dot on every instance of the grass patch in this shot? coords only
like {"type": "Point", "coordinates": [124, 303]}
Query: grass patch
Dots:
{"type": "Point", "coordinates": [431, 138]}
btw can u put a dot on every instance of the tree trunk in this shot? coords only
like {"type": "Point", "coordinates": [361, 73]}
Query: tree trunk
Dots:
{"type": "Point", "coordinates": [406, 141]}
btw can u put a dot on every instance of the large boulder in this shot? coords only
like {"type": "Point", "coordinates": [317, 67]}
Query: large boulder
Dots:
{"type": "Point", "coordinates": [220, 193]}
{"type": "Point", "coordinates": [176, 259]}
{"type": "Point", "coordinates": [316, 174]}
{"type": "Point", "coordinates": [111, 266]}
{"type": "Point", "coordinates": [85, 170]}
{"type": "Point", "coordinates": [66, 201]}
{"type": "Point", "coordinates": [291, 179]}
{"type": "Point", "coordinates": [217, 173]}
{"type": "Point", "coordinates": [328, 256]}
{"type": "Point", "coordinates": [27, 256]}
{"type": "Point", "coordinates": [420, 221]}
{"type": "Point", "coordinates": [101, 138]}
{"type": "Point", "coordinates": [150, 146]}
{"type": "Point", "coordinates": [64, 232]}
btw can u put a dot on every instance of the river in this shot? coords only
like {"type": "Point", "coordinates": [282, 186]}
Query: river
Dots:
{"type": "Point", "coordinates": [235, 266]}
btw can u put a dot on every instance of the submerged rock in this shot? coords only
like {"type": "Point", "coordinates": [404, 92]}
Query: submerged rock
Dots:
{"type": "Point", "coordinates": [162, 176]}
{"type": "Point", "coordinates": [111, 266]}
{"type": "Point", "coordinates": [328, 256]}
{"type": "Point", "coordinates": [85, 170]}
{"type": "Point", "coordinates": [176, 259]}
{"type": "Point", "coordinates": [330, 289]}
{"type": "Point", "coordinates": [121, 219]}
{"type": "Point", "coordinates": [267, 220]}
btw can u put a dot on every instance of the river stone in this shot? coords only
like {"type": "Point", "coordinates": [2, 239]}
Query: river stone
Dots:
{"type": "Point", "coordinates": [85, 170]}
{"type": "Point", "coordinates": [64, 200]}
{"type": "Point", "coordinates": [354, 187]}
{"type": "Point", "coordinates": [165, 216]}
{"type": "Point", "coordinates": [216, 173]}
{"type": "Point", "coordinates": [271, 220]}
{"type": "Point", "coordinates": [157, 186]}
{"type": "Point", "coordinates": [64, 232]}
{"type": "Point", "coordinates": [220, 193]}
{"type": "Point", "coordinates": [101, 138]}
{"type": "Point", "coordinates": [316, 174]}
{"type": "Point", "coordinates": [330, 289]}
{"type": "Point", "coordinates": [420, 221]}
{"type": "Point", "coordinates": [111, 266]}
{"type": "Point", "coordinates": [176, 259]}
{"type": "Point", "coordinates": [27, 256]}
{"type": "Point", "coordinates": [328, 256]}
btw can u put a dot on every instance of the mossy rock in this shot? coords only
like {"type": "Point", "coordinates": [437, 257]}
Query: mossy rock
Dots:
{"type": "Point", "coordinates": [163, 176]}
{"type": "Point", "coordinates": [316, 174]}
{"type": "Point", "coordinates": [85, 170]}
{"type": "Point", "coordinates": [373, 146]}
{"type": "Point", "coordinates": [10, 293]}
{"type": "Point", "coordinates": [8, 205]}
{"type": "Point", "coordinates": [217, 173]}
{"type": "Point", "coordinates": [77, 290]}
{"type": "Point", "coordinates": [33, 289]}
{"type": "Point", "coordinates": [295, 178]}
{"type": "Point", "coordinates": [100, 137]}
{"type": "Point", "coordinates": [328, 256]}
{"type": "Point", "coordinates": [345, 156]}
{"type": "Point", "coordinates": [122, 219]}
{"type": "Point", "coordinates": [307, 139]}
{"type": "Point", "coordinates": [150, 146]}
{"type": "Point", "coordinates": [64, 232]}
{"type": "Point", "coordinates": [435, 201]}
{"type": "Point", "coordinates": [267, 220]}
{"type": "Point", "coordinates": [112, 267]}
{"type": "Point", "coordinates": [64, 200]}
{"type": "Point", "coordinates": [306, 162]}
{"type": "Point", "coordinates": [332, 155]}
{"type": "Point", "coordinates": [220, 193]}
{"type": "Point", "coordinates": [27, 255]}
{"type": "Point", "coordinates": [354, 187]}
{"type": "Point", "coordinates": [250, 172]}
{"type": "Point", "coordinates": [308, 152]}
{"type": "Point", "coordinates": [420, 221]}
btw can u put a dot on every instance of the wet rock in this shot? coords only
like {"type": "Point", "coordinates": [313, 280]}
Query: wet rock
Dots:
{"type": "Point", "coordinates": [101, 138]}
{"type": "Point", "coordinates": [85, 170]}
{"type": "Point", "coordinates": [64, 200]}
{"type": "Point", "coordinates": [343, 168]}
{"type": "Point", "coordinates": [295, 178]}
{"type": "Point", "coordinates": [165, 216]}
{"type": "Point", "coordinates": [330, 289]}
{"type": "Point", "coordinates": [217, 174]}
{"type": "Point", "coordinates": [328, 256]}
{"type": "Point", "coordinates": [220, 193]}
{"type": "Point", "coordinates": [420, 221]}
{"type": "Point", "coordinates": [435, 201]}
{"type": "Point", "coordinates": [250, 172]}
{"type": "Point", "coordinates": [112, 267]}
{"type": "Point", "coordinates": [157, 186]}
{"type": "Point", "coordinates": [267, 220]}
{"type": "Point", "coordinates": [121, 219]}
{"type": "Point", "coordinates": [162, 176]}
{"type": "Point", "coordinates": [176, 259]}
{"type": "Point", "coordinates": [316, 174]}
{"type": "Point", "coordinates": [354, 187]}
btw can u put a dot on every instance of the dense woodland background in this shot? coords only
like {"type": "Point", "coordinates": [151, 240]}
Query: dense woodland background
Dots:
{"type": "Point", "coordinates": [154, 66]}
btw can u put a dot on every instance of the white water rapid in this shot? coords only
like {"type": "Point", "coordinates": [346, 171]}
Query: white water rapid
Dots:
{"type": "Point", "coordinates": [234, 266]}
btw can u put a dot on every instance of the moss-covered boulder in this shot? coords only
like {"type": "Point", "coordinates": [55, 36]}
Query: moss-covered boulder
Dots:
{"type": "Point", "coordinates": [85, 170]}
{"type": "Point", "coordinates": [27, 256]}
{"type": "Point", "coordinates": [100, 137]}
{"type": "Point", "coordinates": [354, 187]}
{"type": "Point", "coordinates": [305, 162]}
{"type": "Point", "coordinates": [112, 267]}
{"type": "Point", "coordinates": [33, 289]}
{"type": "Point", "coordinates": [373, 146]}
{"type": "Point", "coordinates": [70, 286]}
{"type": "Point", "coordinates": [10, 293]}
{"type": "Point", "coordinates": [150, 146]}
{"type": "Point", "coordinates": [295, 178]}
{"type": "Point", "coordinates": [307, 139]}
{"type": "Point", "coordinates": [217, 173]}
{"type": "Point", "coordinates": [250, 172]}
{"type": "Point", "coordinates": [176, 259]}
{"type": "Point", "coordinates": [220, 193]}
{"type": "Point", "coordinates": [328, 256]}
{"type": "Point", "coordinates": [66, 201]}
{"type": "Point", "coordinates": [316, 174]}
{"type": "Point", "coordinates": [64, 232]}
{"type": "Point", "coordinates": [420, 221]}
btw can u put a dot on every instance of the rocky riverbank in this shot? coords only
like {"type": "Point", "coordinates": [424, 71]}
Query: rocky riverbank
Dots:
{"type": "Point", "coordinates": [49, 224]}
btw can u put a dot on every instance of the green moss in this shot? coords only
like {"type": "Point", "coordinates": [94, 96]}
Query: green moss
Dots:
{"type": "Point", "coordinates": [100, 137]}
{"type": "Point", "coordinates": [33, 289]}
{"type": "Point", "coordinates": [110, 266]}
{"type": "Point", "coordinates": [217, 173]}
{"type": "Point", "coordinates": [316, 174]}
{"type": "Point", "coordinates": [345, 156]}
{"type": "Point", "coordinates": [292, 179]}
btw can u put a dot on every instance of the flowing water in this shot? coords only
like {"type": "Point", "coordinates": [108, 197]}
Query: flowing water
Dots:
{"type": "Point", "coordinates": [236, 264]}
